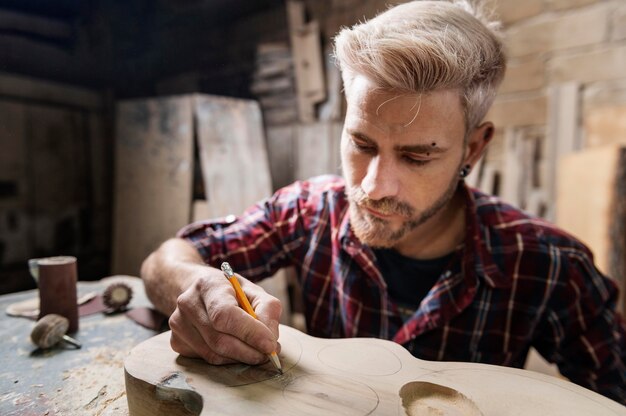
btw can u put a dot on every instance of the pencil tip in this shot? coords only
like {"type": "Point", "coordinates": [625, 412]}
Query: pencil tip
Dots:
{"type": "Point", "coordinates": [274, 358]}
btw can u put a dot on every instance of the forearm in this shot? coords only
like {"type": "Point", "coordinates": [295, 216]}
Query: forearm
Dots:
{"type": "Point", "coordinates": [169, 271]}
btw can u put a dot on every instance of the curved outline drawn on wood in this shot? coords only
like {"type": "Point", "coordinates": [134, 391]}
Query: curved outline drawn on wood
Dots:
{"type": "Point", "coordinates": [311, 385]}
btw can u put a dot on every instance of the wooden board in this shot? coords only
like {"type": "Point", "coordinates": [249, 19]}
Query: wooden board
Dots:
{"type": "Point", "coordinates": [280, 151]}
{"type": "Point", "coordinates": [605, 125]}
{"type": "Point", "coordinates": [524, 179]}
{"type": "Point", "coordinates": [591, 204]}
{"type": "Point", "coordinates": [234, 163]}
{"type": "Point", "coordinates": [563, 132]}
{"type": "Point", "coordinates": [48, 92]}
{"type": "Point", "coordinates": [358, 376]}
{"type": "Point", "coordinates": [58, 177]}
{"type": "Point", "coordinates": [232, 154]}
{"type": "Point", "coordinates": [307, 57]}
{"type": "Point", "coordinates": [153, 177]}
{"type": "Point", "coordinates": [317, 151]}
{"type": "Point", "coordinates": [333, 108]}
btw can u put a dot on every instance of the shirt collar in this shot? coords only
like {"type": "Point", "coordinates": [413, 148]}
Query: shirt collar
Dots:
{"type": "Point", "coordinates": [477, 257]}
{"type": "Point", "coordinates": [478, 261]}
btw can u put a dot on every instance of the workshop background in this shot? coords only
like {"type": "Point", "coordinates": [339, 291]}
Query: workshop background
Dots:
{"type": "Point", "coordinates": [111, 111]}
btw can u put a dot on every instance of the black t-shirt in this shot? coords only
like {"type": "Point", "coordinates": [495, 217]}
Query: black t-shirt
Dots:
{"type": "Point", "coordinates": [408, 279]}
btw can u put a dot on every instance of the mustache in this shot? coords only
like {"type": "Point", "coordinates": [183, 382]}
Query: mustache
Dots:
{"type": "Point", "coordinates": [387, 205]}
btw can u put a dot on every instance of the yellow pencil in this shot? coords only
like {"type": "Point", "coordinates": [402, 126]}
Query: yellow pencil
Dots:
{"type": "Point", "coordinates": [244, 303]}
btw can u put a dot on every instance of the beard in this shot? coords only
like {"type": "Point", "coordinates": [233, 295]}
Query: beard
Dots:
{"type": "Point", "coordinates": [378, 232]}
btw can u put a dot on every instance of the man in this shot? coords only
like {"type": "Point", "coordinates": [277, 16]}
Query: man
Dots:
{"type": "Point", "coordinates": [403, 249]}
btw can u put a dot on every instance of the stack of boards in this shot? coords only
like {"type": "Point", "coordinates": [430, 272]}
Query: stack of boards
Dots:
{"type": "Point", "coordinates": [154, 170]}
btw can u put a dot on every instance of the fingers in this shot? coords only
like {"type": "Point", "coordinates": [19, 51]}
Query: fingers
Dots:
{"type": "Point", "coordinates": [235, 322]}
{"type": "Point", "coordinates": [267, 308]}
{"type": "Point", "coordinates": [220, 349]}
{"type": "Point", "coordinates": [208, 323]}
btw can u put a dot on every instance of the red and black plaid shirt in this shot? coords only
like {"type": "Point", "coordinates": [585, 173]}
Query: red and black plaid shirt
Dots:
{"type": "Point", "coordinates": [517, 282]}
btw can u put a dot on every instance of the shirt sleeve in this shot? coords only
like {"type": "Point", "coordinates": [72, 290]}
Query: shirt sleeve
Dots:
{"type": "Point", "coordinates": [258, 242]}
{"type": "Point", "coordinates": [582, 332]}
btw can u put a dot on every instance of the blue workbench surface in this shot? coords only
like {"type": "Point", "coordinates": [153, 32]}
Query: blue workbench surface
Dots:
{"type": "Point", "coordinates": [67, 381]}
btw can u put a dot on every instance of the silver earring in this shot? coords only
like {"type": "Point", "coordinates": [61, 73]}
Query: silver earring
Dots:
{"type": "Point", "coordinates": [465, 170]}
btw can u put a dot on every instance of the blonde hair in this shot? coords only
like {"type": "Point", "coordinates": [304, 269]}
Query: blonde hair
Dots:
{"type": "Point", "coordinates": [422, 46]}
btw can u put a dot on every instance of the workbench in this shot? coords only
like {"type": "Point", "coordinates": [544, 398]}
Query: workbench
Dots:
{"type": "Point", "coordinates": [64, 380]}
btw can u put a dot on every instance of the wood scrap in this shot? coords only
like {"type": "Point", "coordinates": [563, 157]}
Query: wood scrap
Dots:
{"type": "Point", "coordinates": [153, 177]}
{"type": "Point", "coordinates": [591, 204]}
{"type": "Point", "coordinates": [307, 53]}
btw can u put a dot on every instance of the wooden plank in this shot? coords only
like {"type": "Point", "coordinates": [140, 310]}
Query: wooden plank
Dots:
{"type": "Point", "coordinates": [510, 191]}
{"type": "Point", "coordinates": [153, 177]}
{"type": "Point", "coordinates": [317, 149]}
{"type": "Point", "coordinates": [307, 55]}
{"type": "Point", "coordinates": [235, 166]}
{"type": "Point", "coordinates": [563, 131]}
{"type": "Point", "coordinates": [48, 92]}
{"type": "Point", "coordinates": [58, 156]}
{"type": "Point", "coordinates": [101, 155]}
{"type": "Point", "coordinates": [58, 177]}
{"type": "Point", "coordinates": [591, 204]}
{"type": "Point", "coordinates": [232, 153]}
{"type": "Point", "coordinates": [605, 125]}
{"type": "Point", "coordinates": [281, 100]}
{"type": "Point", "coordinates": [280, 116]}
{"type": "Point", "coordinates": [332, 108]}
{"type": "Point", "coordinates": [281, 154]}
{"type": "Point", "coordinates": [200, 210]}
{"type": "Point", "coordinates": [523, 177]}
{"type": "Point", "coordinates": [271, 68]}
{"type": "Point", "coordinates": [15, 237]}
{"type": "Point", "coordinates": [14, 155]}
{"type": "Point", "coordinates": [273, 85]}
{"type": "Point", "coordinates": [358, 376]}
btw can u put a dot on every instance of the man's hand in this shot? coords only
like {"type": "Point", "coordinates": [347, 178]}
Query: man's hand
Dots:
{"type": "Point", "coordinates": [208, 322]}
{"type": "Point", "coordinates": [205, 318]}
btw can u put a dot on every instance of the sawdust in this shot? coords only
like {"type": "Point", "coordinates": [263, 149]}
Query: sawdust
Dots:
{"type": "Point", "coordinates": [97, 388]}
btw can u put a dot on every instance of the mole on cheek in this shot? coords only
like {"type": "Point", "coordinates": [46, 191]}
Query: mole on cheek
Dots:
{"type": "Point", "coordinates": [433, 144]}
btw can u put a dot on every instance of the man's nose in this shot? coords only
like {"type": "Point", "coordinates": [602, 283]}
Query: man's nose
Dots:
{"type": "Point", "coordinates": [381, 179]}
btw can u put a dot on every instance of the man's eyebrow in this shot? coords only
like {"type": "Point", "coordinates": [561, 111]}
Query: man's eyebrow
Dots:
{"type": "Point", "coordinates": [360, 136]}
{"type": "Point", "coordinates": [431, 147]}
{"type": "Point", "coordinates": [420, 148]}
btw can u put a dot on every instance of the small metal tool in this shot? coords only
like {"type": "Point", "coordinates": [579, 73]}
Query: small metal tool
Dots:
{"type": "Point", "coordinates": [50, 330]}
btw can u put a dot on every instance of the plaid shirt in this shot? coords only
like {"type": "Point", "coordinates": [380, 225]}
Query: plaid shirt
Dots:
{"type": "Point", "coordinates": [516, 282]}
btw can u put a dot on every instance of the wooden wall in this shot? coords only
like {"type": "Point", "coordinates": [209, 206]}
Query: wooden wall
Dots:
{"type": "Point", "coordinates": [53, 178]}
{"type": "Point", "coordinates": [565, 91]}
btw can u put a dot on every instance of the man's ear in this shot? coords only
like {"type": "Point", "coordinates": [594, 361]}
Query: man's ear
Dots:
{"type": "Point", "coordinates": [477, 142]}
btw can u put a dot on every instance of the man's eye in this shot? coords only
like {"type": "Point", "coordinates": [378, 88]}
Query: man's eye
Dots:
{"type": "Point", "coordinates": [362, 147]}
{"type": "Point", "coordinates": [415, 161]}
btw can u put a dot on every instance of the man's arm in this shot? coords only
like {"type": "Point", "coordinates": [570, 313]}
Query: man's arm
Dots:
{"type": "Point", "coordinates": [206, 320]}
{"type": "Point", "coordinates": [169, 271]}
{"type": "Point", "coordinates": [582, 332]}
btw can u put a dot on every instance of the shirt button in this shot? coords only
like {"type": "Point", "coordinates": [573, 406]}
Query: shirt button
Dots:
{"type": "Point", "coordinates": [229, 219]}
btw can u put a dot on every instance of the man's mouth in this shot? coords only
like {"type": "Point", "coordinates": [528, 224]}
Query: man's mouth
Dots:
{"type": "Point", "coordinates": [378, 214]}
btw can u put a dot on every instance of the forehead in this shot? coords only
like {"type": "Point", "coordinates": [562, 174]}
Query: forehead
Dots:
{"type": "Point", "coordinates": [400, 112]}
